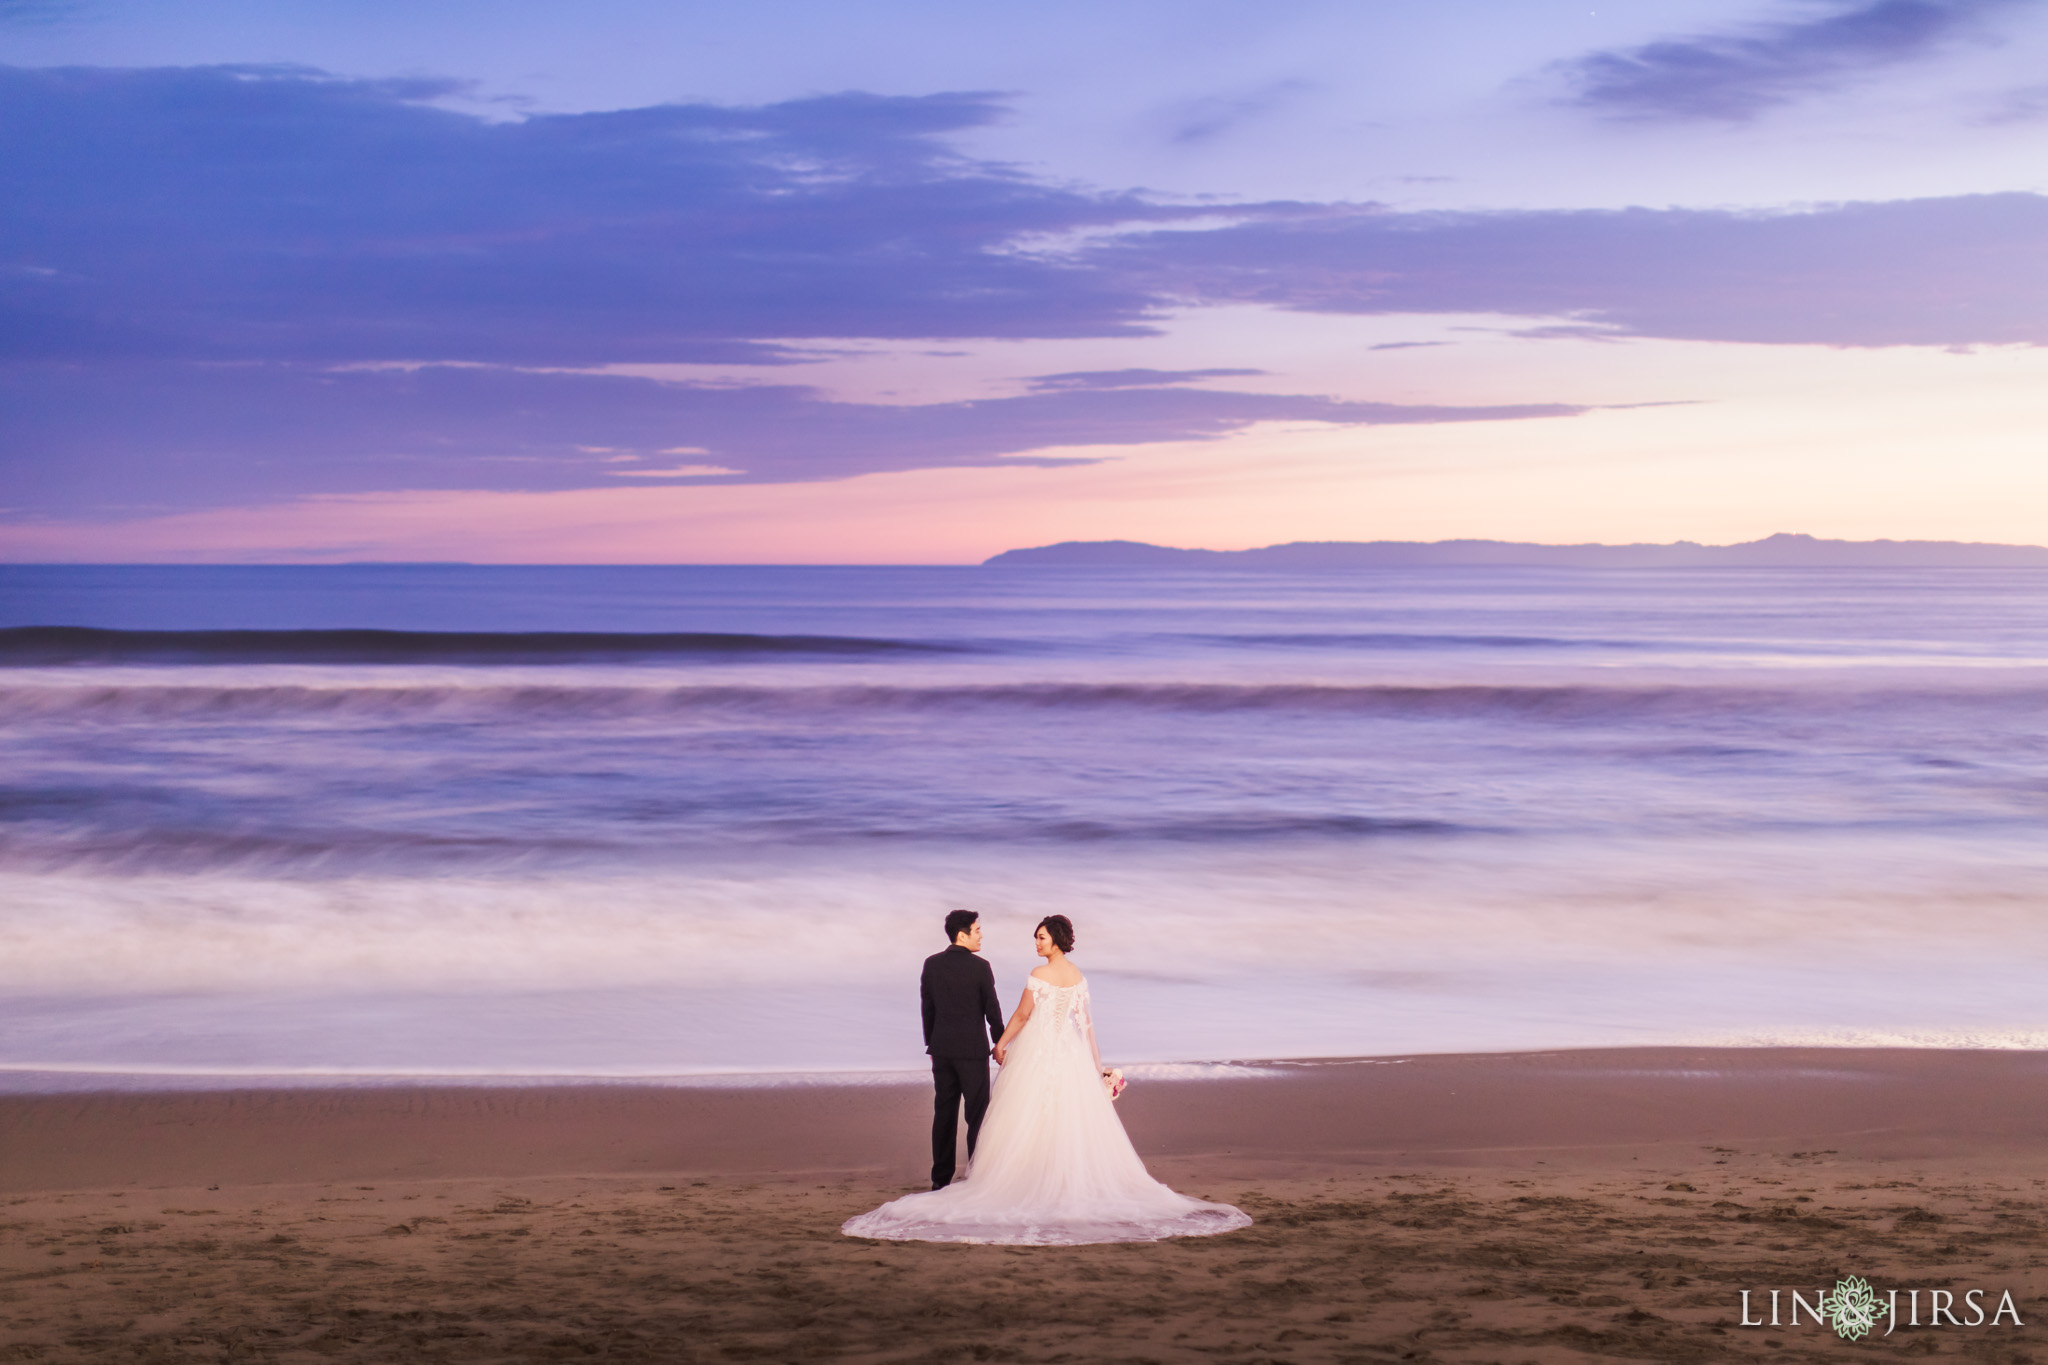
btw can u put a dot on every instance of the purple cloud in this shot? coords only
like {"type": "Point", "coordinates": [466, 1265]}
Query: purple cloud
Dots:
{"type": "Point", "coordinates": [228, 271]}
{"type": "Point", "coordinates": [235, 215]}
{"type": "Point", "coordinates": [1130, 379]}
{"type": "Point", "coordinates": [2028, 104]}
{"type": "Point", "coordinates": [1208, 118]}
{"type": "Point", "coordinates": [1930, 272]}
{"type": "Point", "coordinates": [152, 438]}
{"type": "Point", "coordinates": [1735, 77]}
{"type": "Point", "coordinates": [37, 13]}
{"type": "Point", "coordinates": [238, 213]}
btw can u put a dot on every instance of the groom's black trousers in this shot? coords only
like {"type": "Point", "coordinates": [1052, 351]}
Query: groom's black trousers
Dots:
{"type": "Point", "coordinates": [955, 1079]}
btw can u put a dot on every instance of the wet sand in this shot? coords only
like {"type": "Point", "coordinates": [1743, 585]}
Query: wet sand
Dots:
{"type": "Point", "coordinates": [1562, 1206]}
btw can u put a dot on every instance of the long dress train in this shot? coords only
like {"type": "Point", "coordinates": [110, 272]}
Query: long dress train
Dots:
{"type": "Point", "coordinates": [1053, 1166]}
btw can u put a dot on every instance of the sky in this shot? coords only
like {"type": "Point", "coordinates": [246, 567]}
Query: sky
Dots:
{"type": "Point", "coordinates": [919, 282]}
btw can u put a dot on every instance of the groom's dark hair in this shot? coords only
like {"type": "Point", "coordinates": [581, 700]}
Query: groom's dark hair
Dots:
{"type": "Point", "coordinates": [959, 922]}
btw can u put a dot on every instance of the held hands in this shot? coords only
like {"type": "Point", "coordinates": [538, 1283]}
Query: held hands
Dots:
{"type": "Point", "coordinates": [999, 1051]}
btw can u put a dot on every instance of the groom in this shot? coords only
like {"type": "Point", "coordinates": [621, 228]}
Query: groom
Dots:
{"type": "Point", "coordinates": [958, 992]}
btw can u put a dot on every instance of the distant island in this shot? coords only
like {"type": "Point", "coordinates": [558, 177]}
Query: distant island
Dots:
{"type": "Point", "coordinates": [1772, 552]}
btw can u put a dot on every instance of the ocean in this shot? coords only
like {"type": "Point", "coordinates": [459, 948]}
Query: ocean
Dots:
{"type": "Point", "coordinates": [330, 824]}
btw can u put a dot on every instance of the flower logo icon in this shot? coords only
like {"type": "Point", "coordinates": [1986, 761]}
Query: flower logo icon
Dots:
{"type": "Point", "coordinates": [1852, 1308]}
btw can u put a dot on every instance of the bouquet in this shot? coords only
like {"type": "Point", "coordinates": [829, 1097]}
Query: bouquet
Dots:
{"type": "Point", "coordinates": [1113, 1081]}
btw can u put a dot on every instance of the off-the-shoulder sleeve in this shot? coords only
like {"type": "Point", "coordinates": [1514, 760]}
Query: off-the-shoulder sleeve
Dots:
{"type": "Point", "coordinates": [1087, 1023]}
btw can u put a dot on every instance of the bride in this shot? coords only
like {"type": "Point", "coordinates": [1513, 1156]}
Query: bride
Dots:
{"type": "Point", "coordinates": [1053, 1166]}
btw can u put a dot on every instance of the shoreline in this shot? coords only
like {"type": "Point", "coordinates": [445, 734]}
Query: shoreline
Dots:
{"type": "Point", "coordinates": [1527, 1207]}
{"type": "Point", "coordinates": [32, 1081]}
{"type": "Point", "coordinates": [1459, 1109]}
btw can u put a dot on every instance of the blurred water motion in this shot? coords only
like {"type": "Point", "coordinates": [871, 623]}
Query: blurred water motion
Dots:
{"type": "Point", "coordinates": [452, 820]}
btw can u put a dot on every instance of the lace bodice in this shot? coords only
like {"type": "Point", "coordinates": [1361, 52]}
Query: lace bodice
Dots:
{"type": "Point", "coordinates": [1064, 1012]}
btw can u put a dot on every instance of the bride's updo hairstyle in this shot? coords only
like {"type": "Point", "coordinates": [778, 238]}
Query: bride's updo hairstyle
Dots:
{"type": "Point", "coordinates": [1060, 930]}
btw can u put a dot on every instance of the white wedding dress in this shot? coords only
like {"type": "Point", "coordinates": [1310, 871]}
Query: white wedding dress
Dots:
{"type": "Point", "coordinates": [1052, 1166]}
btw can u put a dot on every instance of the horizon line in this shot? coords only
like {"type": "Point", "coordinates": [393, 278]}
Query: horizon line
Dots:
{"type": "Point", "coordinates": [986, 562]}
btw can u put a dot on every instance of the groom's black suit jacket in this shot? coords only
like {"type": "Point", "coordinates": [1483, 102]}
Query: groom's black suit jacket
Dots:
{"type": "Point", "coordinates": [959, 994]}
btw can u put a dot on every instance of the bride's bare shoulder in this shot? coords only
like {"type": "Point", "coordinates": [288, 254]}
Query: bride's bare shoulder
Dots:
{"type": "Point", "coordinates": [1066, 974]}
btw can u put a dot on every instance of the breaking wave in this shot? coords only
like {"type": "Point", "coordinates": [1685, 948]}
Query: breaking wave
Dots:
{"type": "Point", "coordinates": [44, 646]}
{"type": "Point", "coordinates": [117, 703]}
{"type": "Point", "coordinates": [32, 841]}
{"type": "Point", "coordinates": [1373, 640]}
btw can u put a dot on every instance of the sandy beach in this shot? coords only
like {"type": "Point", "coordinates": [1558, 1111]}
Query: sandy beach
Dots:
{"type": "Point", "coordinates": [1532, 1207]}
